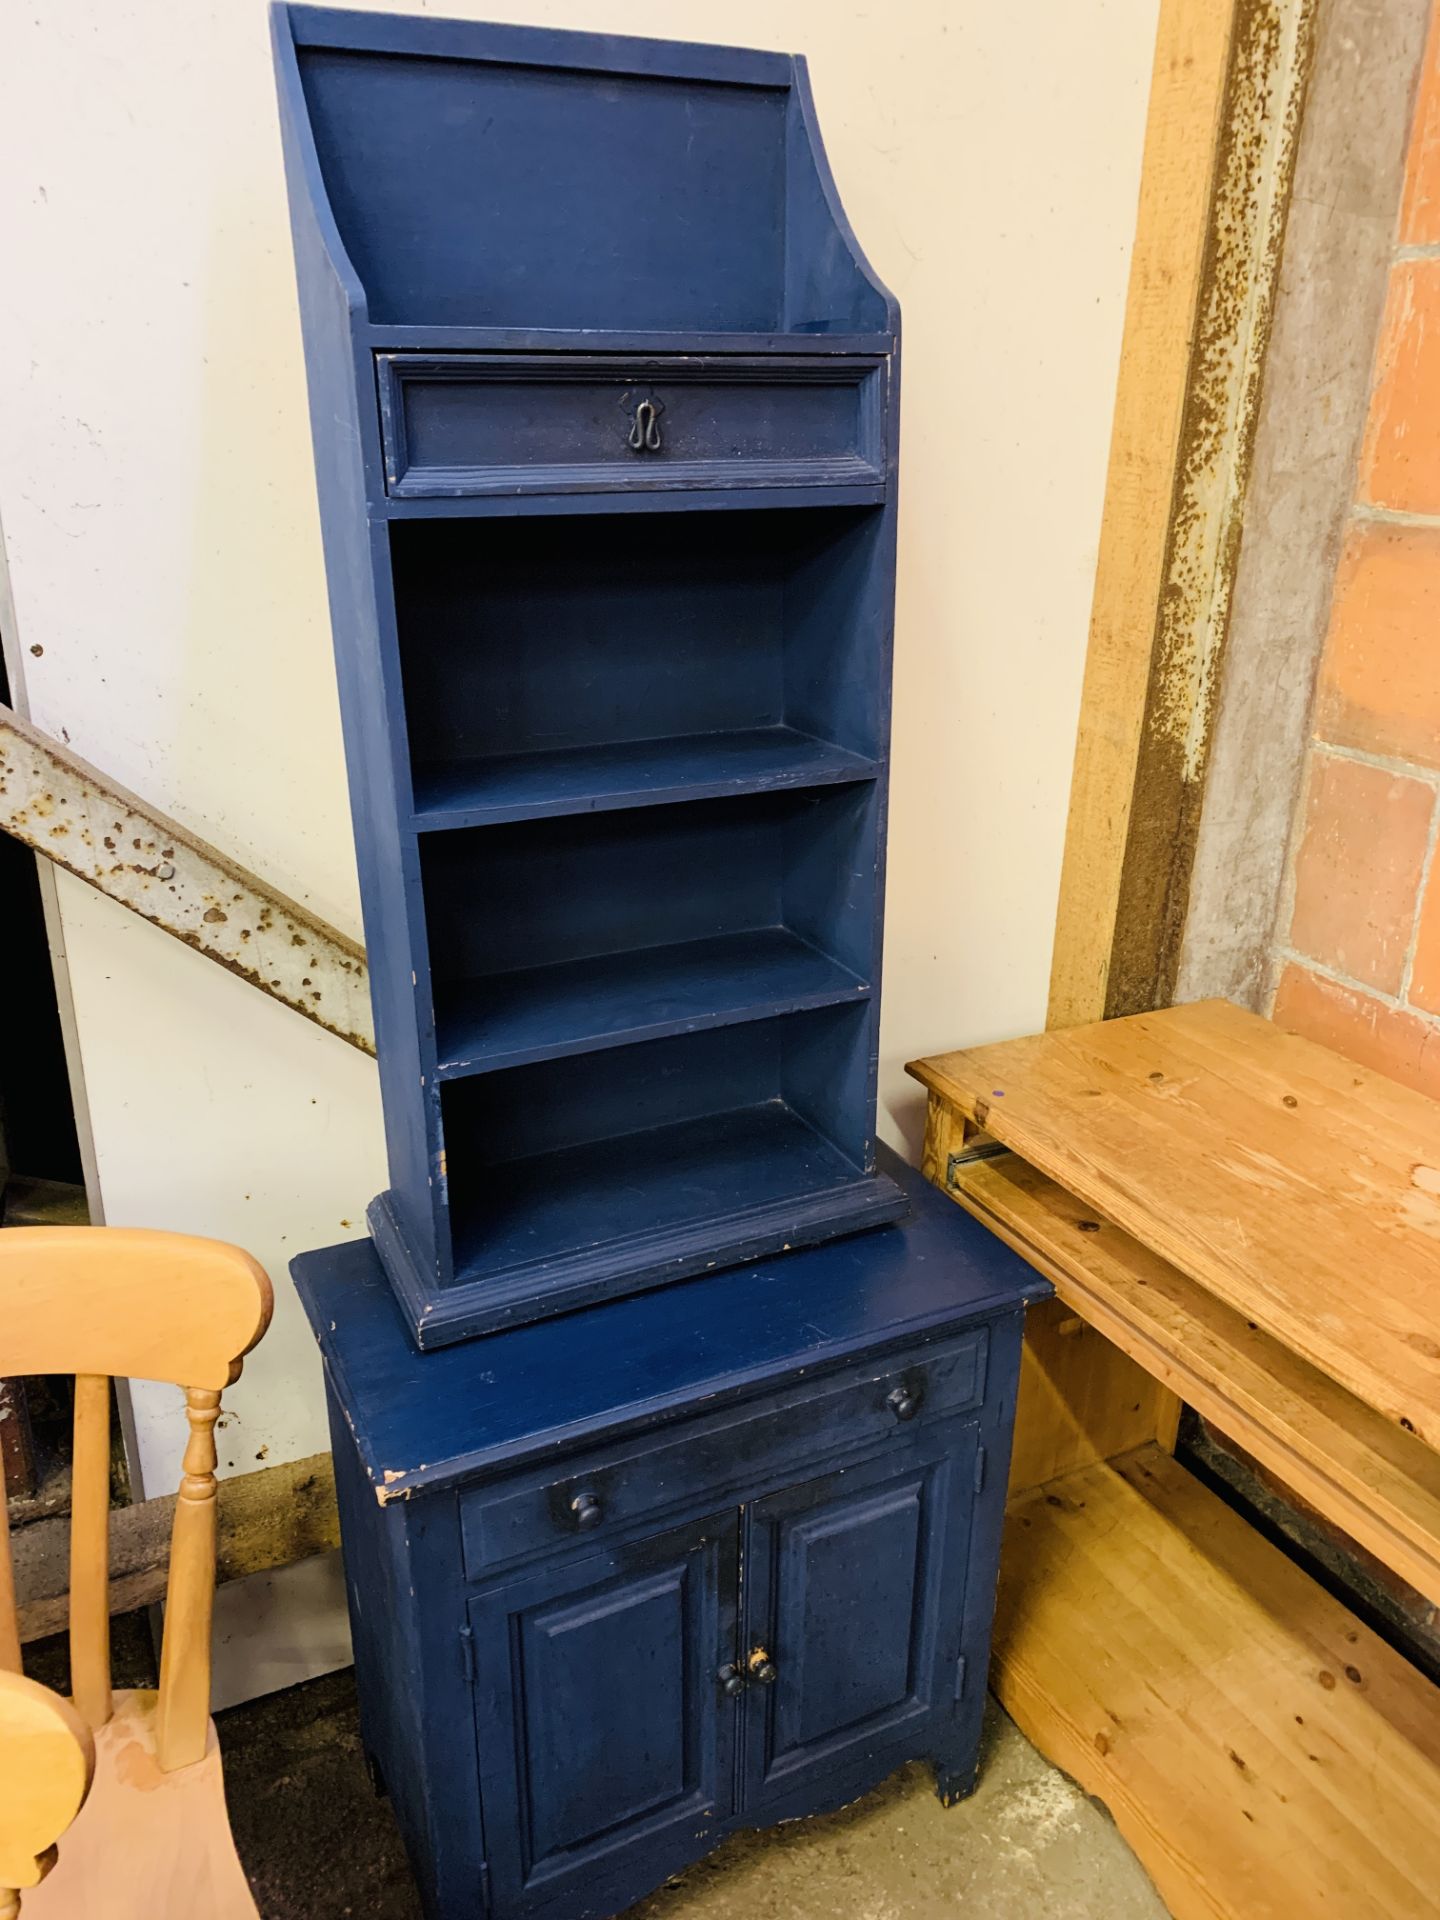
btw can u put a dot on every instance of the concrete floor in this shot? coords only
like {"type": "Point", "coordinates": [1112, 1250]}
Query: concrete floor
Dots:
{"type": "Point", "coordinates": [318, 1845]}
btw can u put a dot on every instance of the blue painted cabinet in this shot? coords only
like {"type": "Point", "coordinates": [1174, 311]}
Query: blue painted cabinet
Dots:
{"type": "Point", "coordinates": [705, 1558]}
{"type": "Point", "coordinates": [670, 1499]}
{"type": "Point", "coordinates": [604, 400]}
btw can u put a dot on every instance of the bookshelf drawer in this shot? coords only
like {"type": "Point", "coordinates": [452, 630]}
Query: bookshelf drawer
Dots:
{"type": "Point", "coordinates": [460, 424]}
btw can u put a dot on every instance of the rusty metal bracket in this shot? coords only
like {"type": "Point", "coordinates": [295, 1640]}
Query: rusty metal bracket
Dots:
{"type": "Point", "coordinates": [62, 807]}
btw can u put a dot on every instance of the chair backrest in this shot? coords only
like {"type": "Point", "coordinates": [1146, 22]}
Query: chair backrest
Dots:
{"type": "Point", "coordinates": [101, 1302]}
{"type": "Point", "coordinates": [47, 1759]}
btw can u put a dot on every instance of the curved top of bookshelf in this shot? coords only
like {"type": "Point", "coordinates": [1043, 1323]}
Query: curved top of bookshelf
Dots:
{"type": "Point", "coordinates": [468, 175]}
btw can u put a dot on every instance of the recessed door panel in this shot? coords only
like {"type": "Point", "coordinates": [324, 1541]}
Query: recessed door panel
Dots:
{"type": "Point", "coordinates": [848, 1577]}
{"type": "Point", "coordinates": [846, 1641]}
{"type": "Point", "coordinates": [601, 1723]}
{"type": "Point", "coordinates": [611, 1660]}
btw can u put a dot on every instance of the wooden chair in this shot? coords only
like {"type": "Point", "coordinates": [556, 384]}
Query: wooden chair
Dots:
{"type": "Point", "coordinates": [47, 1760]}
{"type": "Point", "coordinates": [153, 1836]}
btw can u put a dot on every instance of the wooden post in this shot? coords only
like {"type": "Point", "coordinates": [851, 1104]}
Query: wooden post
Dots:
{"type": "Point", "coordinates": [90, 1550]}
{"type": "Point", "coordinates": [183, 1722]}
{"type": "Point", "coordinates": [1225, 107]}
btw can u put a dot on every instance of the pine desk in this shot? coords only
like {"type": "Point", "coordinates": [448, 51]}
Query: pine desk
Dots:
{"type": "Point", "coordinates": [1242, 1220]}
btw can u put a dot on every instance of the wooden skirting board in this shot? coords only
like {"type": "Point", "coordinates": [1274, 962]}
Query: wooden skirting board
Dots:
{"type": "Point", "coordinates": [267, 1519]}
{"type": "Point", "coordinates": [1267, 1756]}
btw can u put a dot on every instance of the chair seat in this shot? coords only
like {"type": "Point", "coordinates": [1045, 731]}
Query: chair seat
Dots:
{"type": "Point", "coordinates": [146, 1843]}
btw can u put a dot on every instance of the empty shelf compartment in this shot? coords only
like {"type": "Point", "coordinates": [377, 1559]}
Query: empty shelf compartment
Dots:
{"type": "Point", "coordinates": [705, 1144]}
{"type": "Point", "coordinates": [563, 936]}
{"type": "Point", "coordinates": [563, 663]}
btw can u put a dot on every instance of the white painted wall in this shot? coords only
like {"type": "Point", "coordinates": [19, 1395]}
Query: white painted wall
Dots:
{"type": "Point", "coordinates": [158, 503]}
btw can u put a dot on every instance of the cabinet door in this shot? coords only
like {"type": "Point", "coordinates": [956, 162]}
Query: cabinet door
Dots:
{"type": "Point", "coordinates": [854, 1595]}
{"type": "Point", "coordinates": [606, 1739]}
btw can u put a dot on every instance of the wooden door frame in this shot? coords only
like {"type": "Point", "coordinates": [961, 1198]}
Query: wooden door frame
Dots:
{"type": "Point", "coordinates": [1226, 103]}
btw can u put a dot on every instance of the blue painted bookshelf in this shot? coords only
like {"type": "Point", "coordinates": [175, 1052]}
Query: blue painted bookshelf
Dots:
{"type": "Point", "coordinates": [604, 406]}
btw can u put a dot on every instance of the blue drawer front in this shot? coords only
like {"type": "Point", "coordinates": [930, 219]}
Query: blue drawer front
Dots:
{"type": "Point", "coordinates": [599, 1497]}
{"type": "Point", "coordinates": [457, 424]}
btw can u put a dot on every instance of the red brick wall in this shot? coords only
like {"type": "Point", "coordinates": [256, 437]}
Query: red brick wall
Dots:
{"type": "Point", "coordinates": [1358, 948]}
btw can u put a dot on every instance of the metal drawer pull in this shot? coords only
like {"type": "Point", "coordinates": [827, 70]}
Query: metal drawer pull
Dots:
{"type": "Point", "coordinates": [762, 1668]}
{"type": "Point", "coordinates": [902, 1403]}
{"type": "Point", "coordinates": [645, 429]}
{"type": "Point", "coordinates": [587, 1510]}
{"type": "Point", "coordinates": [732, 1681]}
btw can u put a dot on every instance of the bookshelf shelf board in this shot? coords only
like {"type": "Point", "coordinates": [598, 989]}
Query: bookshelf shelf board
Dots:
{"type": "Point", "coordinates": [580, 1006]}
{"type": "Point", "coordinates": [631, 773]}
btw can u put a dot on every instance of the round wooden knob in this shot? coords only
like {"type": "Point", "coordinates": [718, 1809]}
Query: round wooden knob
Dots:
{"type": "Point", "coordinates": [732, 1681]}
{"type": "Point", "coordinates": [587, 1510]}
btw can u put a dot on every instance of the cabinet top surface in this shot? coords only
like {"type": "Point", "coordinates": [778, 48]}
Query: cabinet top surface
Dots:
{"type": "Point", "coordinates": [1293, 1184]}
{"type": "Point", "coordinates": [428, 1420]}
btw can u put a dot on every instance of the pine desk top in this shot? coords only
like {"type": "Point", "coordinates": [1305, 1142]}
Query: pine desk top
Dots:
{"type": "Point", "coordinates": [1297, 1187]}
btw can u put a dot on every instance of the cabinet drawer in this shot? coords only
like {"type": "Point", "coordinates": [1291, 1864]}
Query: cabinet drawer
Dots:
{"type": "Point", "coordinates": [622, 1484]}
{"type": "Point", "coordinates": [457, 424]}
